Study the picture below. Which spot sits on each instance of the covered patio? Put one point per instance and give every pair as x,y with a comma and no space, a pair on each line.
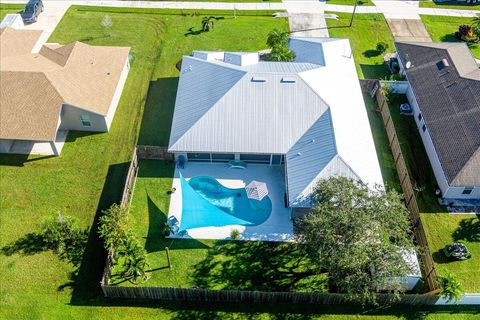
277,227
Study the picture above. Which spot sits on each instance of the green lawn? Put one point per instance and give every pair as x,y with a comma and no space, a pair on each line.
449,5
443,29
442,229
367,31
351,2
9,8
416,158
384,153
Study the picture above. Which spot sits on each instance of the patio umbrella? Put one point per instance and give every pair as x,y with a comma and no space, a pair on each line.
256,190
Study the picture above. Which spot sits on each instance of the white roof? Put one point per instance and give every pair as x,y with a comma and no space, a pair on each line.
311,110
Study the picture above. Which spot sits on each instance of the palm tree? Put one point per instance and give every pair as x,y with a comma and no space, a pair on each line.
476,22
207,23
277,37
134,260
281,53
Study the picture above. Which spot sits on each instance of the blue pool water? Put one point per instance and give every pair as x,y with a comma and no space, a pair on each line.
207,203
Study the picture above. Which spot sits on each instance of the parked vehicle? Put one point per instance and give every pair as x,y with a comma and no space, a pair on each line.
31,11
457,251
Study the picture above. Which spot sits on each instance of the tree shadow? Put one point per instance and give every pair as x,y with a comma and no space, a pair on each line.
191,32
256,265
468,230
29,244
158,113
86,282
371,53
156,227
449,38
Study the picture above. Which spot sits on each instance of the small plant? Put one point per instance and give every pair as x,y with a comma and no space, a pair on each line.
207,23
382,47
65,237
451,288
466,33
107,22
235,234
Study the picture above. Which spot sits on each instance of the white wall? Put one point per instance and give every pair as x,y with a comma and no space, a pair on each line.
118,93
456,193
466,299
70,120
428,143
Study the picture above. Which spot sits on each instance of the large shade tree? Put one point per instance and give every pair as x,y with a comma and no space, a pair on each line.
359,236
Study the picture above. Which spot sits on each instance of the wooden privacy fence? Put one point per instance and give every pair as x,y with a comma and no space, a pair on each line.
207,295
142,152
428,267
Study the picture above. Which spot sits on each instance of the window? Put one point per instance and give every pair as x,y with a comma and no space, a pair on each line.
222,157
255,158
424,128
420,117
467,190
86,122
198,157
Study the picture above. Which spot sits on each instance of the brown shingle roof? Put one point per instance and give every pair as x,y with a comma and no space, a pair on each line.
82,75
30,106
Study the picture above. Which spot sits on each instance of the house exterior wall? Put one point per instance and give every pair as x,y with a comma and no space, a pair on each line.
118,93
5,145
70,120
428,143
456,193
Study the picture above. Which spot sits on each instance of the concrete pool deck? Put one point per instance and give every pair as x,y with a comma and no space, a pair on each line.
278,226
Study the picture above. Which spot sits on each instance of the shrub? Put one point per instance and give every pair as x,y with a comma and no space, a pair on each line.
134,260
65,237
235,234
466,33
113,226
382,47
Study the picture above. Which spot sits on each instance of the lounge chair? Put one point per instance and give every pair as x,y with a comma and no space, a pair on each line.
181,162
237,164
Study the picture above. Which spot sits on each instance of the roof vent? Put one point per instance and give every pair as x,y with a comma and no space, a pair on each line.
408,65
288,80
258,79
443,64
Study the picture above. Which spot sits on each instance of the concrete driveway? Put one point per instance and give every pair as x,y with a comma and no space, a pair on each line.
47,21
408,30
306,18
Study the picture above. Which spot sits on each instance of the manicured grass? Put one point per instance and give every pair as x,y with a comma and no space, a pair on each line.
89,174
351,2
444,28
443,229
366,32
449,5
9,8
416,158
384,153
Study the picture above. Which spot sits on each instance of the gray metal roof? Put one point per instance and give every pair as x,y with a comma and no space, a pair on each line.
299,109
449,99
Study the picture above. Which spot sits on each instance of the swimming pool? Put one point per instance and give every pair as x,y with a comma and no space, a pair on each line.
208,203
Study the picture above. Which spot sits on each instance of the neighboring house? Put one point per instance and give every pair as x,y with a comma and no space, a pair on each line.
61,88
445,95
308,115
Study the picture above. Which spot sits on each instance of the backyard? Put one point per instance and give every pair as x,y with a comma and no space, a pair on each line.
444,28
367,31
